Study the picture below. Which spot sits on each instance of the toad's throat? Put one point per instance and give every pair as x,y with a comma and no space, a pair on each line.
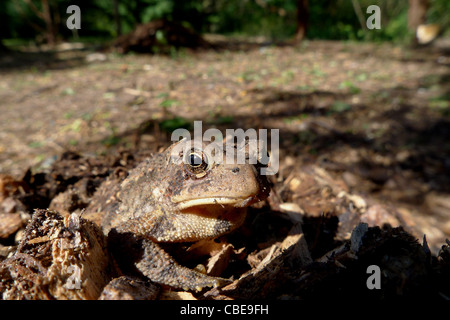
213,220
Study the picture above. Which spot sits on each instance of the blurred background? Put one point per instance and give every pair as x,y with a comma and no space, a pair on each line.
371,107
41,21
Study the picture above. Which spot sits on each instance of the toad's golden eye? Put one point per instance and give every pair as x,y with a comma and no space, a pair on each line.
196,163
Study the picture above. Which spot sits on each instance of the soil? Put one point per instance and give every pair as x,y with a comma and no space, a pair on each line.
364,132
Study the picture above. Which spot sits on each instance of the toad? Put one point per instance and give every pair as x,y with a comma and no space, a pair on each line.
179,195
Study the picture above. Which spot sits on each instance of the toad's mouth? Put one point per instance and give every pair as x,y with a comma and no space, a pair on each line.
217,202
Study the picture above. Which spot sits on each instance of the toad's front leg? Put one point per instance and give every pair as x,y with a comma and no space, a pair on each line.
145,257
159,266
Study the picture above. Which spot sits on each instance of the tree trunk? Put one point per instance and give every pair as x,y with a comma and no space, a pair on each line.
51,22
302,20
417,13
50,27
117,18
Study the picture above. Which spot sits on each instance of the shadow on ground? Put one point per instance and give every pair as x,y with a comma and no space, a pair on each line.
413,143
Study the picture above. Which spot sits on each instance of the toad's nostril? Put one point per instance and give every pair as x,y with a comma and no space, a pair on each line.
235,170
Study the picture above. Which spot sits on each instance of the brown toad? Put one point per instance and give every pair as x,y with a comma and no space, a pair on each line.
178,196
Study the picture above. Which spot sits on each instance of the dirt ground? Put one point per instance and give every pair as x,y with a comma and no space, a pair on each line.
376,114
375,117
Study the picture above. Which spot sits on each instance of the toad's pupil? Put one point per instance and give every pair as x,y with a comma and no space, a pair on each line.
195,160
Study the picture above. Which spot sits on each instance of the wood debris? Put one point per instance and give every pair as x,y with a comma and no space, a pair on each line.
312,238
59,258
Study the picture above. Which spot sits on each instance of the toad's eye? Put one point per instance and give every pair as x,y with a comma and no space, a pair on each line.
195,160
196,163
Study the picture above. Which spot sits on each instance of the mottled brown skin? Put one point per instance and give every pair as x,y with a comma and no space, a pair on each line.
165,200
